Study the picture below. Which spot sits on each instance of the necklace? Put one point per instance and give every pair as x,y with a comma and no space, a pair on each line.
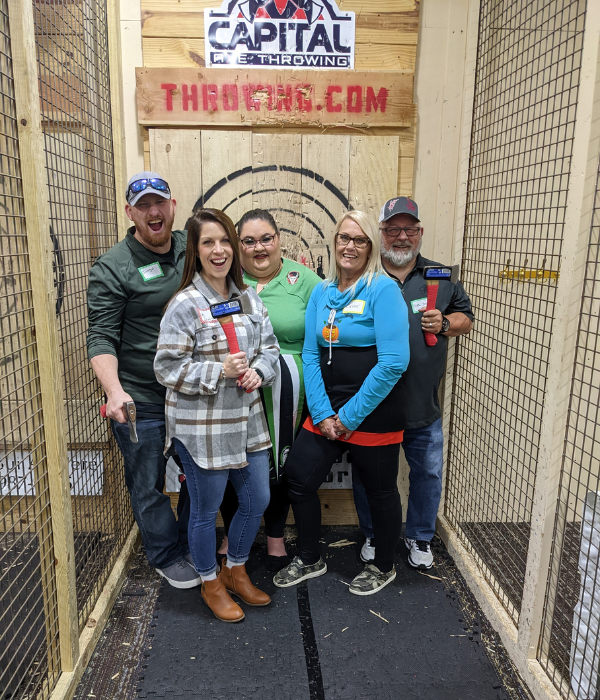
272,277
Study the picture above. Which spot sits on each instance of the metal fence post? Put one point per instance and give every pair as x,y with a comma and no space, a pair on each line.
35,194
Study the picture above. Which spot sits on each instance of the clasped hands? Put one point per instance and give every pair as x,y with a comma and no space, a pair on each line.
333,428
236,367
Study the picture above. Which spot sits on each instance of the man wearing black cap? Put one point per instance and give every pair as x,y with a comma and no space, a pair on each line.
423,444
129,286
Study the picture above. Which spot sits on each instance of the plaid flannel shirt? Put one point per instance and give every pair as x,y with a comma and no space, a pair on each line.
217,421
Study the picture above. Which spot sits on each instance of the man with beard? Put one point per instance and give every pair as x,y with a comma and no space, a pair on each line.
129,286
423,443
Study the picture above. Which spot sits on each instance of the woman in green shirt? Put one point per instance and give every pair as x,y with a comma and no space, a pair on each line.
285,287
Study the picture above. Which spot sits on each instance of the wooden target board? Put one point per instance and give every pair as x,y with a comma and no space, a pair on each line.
307,181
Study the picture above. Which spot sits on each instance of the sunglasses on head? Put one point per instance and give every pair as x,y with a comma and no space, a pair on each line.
153,182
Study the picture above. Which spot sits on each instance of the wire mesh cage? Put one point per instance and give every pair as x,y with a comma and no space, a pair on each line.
29,650
526,88
72,51
569,646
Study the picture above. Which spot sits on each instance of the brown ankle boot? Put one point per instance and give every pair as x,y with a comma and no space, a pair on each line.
219,601
236,581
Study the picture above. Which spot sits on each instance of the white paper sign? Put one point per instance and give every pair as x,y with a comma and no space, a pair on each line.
86,473
279,34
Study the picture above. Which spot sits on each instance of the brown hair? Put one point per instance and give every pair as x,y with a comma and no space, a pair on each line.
192,261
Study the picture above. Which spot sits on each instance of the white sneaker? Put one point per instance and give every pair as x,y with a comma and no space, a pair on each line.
419,554
367,551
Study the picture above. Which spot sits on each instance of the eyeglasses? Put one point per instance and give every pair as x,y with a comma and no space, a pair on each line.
140,185
395,231
359,241
265,241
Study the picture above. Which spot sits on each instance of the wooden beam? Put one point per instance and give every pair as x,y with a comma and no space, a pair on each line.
67,683
116,97
35,196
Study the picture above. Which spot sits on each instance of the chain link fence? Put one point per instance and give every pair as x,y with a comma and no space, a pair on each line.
569,647
72,51
525,103
72,54
29,649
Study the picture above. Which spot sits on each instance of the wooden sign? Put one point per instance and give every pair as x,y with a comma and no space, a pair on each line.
249,97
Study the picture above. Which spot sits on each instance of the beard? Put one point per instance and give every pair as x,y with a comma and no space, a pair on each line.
154,239
400,257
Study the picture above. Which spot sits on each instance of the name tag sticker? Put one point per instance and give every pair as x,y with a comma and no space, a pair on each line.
151,272
419,305
354,307
205,316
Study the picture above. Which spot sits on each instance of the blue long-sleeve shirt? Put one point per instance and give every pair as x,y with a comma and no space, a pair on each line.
370,315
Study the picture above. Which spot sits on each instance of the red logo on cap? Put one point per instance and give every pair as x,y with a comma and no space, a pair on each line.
410,205
392,204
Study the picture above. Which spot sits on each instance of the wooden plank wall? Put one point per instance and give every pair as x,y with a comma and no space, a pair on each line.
386,39
365,167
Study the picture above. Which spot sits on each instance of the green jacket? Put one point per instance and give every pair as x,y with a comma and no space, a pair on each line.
125,308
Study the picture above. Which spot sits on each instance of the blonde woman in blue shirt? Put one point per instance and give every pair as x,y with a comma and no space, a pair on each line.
355,351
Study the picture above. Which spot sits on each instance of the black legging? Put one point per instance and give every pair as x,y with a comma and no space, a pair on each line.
306,468
275,515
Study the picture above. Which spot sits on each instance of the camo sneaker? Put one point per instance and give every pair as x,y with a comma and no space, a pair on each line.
297,571
371,580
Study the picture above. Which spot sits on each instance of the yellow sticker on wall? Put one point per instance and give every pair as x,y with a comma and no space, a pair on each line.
354,307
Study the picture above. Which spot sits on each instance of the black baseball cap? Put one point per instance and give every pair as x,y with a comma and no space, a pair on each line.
399,205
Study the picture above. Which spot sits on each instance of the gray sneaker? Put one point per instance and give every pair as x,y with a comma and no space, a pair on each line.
180,575
371,580
296,571
419,554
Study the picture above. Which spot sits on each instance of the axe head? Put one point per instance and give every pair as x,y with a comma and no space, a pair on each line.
434,272
235,305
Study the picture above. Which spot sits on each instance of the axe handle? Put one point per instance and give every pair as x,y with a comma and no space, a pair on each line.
229,329
432,290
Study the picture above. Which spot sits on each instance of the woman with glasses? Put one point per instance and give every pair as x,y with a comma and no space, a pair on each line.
284,287
214,413
355,351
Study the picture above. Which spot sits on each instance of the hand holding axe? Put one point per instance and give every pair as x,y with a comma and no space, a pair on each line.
224,312
433,275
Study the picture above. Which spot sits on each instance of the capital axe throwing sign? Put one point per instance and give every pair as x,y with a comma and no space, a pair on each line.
279,33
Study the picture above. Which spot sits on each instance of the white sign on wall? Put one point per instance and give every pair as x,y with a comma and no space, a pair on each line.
279,34
86,473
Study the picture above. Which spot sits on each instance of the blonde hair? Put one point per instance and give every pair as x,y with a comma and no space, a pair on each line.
374,266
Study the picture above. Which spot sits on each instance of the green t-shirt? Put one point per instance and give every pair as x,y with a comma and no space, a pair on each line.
286,297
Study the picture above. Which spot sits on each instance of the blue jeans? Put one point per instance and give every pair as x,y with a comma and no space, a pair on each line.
164,536
206,488
424,452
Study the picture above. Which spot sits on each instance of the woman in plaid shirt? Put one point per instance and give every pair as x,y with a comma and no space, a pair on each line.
214,414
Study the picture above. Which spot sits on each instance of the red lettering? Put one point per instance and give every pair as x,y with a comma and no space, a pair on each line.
169,87
355,98
377,102
302,96
187,98
252,102
284,98
209,98
329,99
230,98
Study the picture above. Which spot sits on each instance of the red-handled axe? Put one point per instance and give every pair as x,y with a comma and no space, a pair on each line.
433,275
224,312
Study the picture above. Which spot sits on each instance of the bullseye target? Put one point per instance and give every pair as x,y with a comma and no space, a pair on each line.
305,220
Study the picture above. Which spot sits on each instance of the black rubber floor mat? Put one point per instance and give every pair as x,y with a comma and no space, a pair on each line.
194,654
405,641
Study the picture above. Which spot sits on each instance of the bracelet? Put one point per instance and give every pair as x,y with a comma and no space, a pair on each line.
222,375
